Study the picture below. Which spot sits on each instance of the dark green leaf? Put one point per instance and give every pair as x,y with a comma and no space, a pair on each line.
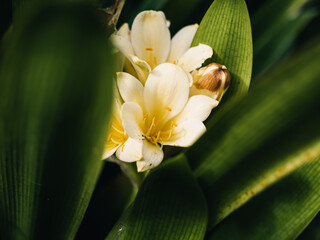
284,100
108,201
275,33
169,205
281,212
280,156
226,28
312,232
55,90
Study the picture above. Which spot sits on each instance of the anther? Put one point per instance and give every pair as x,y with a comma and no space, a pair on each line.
148,48
167,108
155,60
146,115
158,135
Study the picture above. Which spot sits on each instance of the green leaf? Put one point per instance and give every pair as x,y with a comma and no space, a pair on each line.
312,231
275,33
282,101
108,201
226,28
55,90
281,212
169,205
282,155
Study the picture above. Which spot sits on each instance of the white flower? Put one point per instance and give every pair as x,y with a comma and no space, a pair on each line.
149,44
126,148
161,113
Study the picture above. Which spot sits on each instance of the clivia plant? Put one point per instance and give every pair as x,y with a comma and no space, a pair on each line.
160,120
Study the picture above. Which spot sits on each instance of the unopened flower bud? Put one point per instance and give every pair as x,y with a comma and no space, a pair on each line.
212,80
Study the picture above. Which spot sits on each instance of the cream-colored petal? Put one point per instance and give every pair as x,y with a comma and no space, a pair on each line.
166,91
123,44
152,157
116,107
130,151
186,133
195,57
181,42
130,88
109,150
141,67
124,31
150,37
198,107
132,119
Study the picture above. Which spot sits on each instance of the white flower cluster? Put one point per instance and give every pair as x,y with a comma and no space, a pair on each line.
162,97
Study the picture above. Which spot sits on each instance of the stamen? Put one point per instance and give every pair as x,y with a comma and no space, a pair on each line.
174,61
151,126
119,131
153,121
155,60
114,141
158,135
146,115
173,124
167,108
148,48
149,63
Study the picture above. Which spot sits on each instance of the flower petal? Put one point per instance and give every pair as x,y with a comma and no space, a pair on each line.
109,149
130,151
198,107
123,44
166,91
150,37
130,88
141,67
152,157
181,42
132,119
186,133
194,57
124,31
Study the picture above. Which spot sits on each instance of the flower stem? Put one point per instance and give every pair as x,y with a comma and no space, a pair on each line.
129,169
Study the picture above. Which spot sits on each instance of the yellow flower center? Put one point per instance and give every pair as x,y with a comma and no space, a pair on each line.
156,130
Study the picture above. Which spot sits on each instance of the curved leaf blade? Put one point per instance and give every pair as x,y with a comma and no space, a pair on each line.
270,108
281,212
275,33
226,28
169,205
55,90
275,160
